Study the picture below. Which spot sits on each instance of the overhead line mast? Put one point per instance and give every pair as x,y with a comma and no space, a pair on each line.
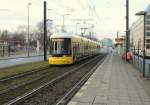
45,32
127,28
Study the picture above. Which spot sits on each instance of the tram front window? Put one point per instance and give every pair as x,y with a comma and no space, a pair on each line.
61,46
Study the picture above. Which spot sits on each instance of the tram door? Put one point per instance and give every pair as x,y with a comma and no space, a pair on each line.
57,46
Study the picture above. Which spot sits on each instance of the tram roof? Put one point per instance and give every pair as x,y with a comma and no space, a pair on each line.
62,35
69,35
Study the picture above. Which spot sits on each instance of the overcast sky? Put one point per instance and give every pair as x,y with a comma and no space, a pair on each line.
109,15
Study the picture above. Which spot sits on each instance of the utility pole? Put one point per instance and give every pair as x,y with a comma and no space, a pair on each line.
85,28
127,28
77,28
91,30
28,44
45,32
117,34
63,26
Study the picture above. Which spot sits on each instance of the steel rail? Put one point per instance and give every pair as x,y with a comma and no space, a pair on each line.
29,82
27,95
23,74
64,100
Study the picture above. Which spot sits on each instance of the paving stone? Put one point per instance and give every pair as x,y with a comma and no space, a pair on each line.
84,99
80,103
125,103
100,104
113,100
113,83
136,102
113,103
72,103
146,103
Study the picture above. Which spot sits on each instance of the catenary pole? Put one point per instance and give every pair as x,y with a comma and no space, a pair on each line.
45,32
127,27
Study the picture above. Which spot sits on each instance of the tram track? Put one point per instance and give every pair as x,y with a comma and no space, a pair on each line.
18,87
24,80
5,79
72,91
46,87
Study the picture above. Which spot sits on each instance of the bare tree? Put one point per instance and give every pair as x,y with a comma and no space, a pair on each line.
4,36
18,38
40,32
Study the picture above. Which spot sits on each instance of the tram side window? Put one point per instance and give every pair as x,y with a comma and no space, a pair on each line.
148,16
76,48
148,46
147,40
67,46
55,46
51,44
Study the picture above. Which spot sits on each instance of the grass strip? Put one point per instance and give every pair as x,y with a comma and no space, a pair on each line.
14,70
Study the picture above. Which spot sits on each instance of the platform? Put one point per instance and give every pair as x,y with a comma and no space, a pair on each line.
115,82
21,60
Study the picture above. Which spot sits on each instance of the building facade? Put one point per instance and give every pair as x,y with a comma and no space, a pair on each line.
107,42
120,45
137,36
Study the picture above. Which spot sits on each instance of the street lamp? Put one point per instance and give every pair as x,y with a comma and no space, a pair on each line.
63,26
82,31
28,30
92,30
50,20
77,27
144,14
49,25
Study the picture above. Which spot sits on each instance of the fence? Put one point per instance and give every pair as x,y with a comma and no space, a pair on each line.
138,63
17,49
4,49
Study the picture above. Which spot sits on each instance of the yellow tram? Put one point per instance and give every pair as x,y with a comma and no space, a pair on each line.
66,48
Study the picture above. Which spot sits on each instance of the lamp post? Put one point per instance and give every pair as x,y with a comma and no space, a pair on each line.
49,25
49,33
144,14
45,30
92,30
82,31
127,28
63,26
28,30
50,20
77,27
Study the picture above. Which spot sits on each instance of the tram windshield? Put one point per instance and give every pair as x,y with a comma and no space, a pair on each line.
61,46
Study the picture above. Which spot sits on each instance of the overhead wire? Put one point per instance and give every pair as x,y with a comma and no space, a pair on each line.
40,4
37,3
59,5
93,10
72,11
